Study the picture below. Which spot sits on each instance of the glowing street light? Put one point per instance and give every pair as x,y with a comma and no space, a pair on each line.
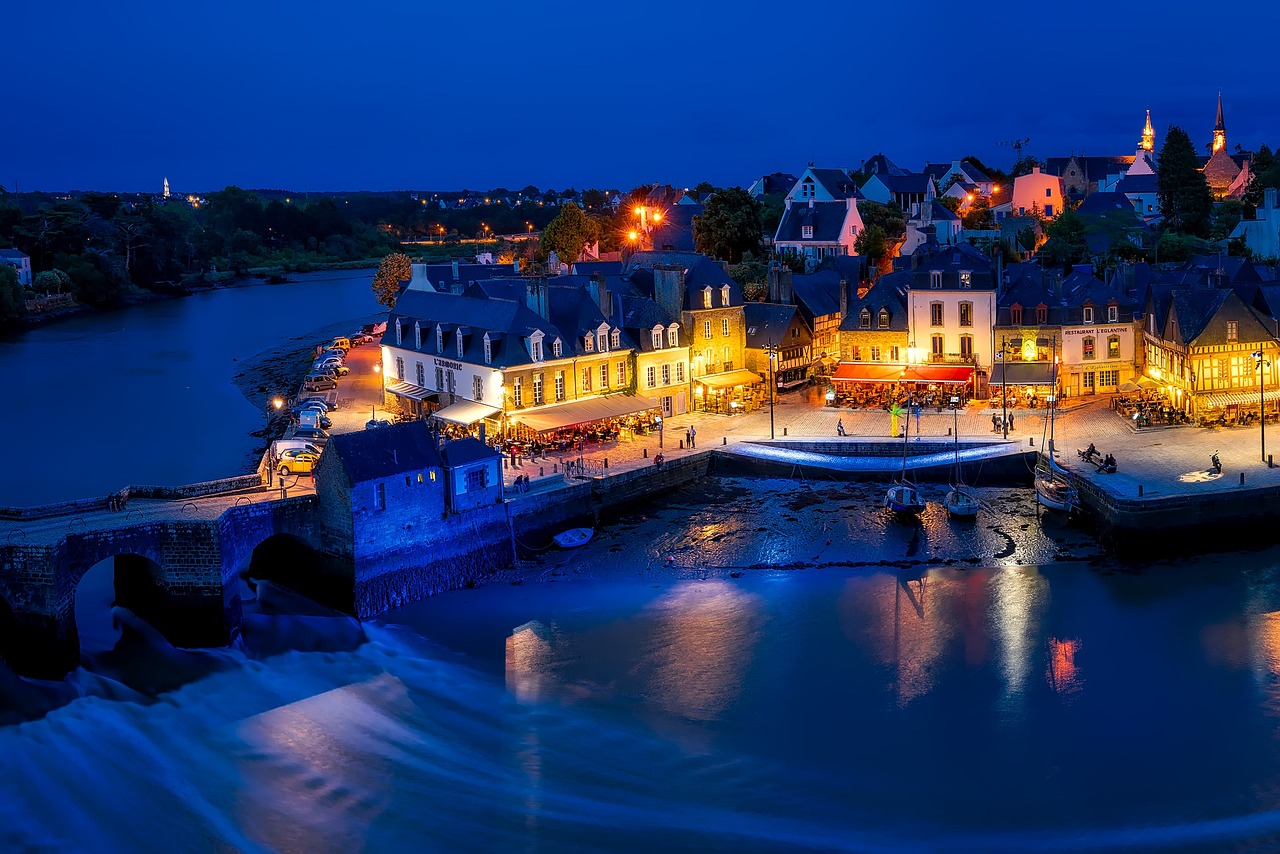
1261,363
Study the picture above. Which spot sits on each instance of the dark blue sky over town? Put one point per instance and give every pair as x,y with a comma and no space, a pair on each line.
424,95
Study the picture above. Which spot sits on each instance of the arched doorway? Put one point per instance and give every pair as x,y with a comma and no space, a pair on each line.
294,563
130,581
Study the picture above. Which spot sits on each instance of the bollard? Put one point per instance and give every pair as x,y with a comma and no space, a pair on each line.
555,468
682,444
506,462
541,471
784,431
646,453
1139,490
724,440
606,462
1242,478
1270,462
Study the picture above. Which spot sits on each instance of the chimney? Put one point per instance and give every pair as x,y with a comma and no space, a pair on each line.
811,203
600,290
779,283
482,433
668,289
1035,170
455,271
844,298
535,297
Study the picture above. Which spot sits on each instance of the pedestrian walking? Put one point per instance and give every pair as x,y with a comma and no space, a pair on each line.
995,423
840,427
693,436
1010,420
688,438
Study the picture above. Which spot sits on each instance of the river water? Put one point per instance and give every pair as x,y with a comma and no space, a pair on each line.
145,394
670,687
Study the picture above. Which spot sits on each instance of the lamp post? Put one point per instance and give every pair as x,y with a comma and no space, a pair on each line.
1004,385
659,420
272,405
1261,363
772,350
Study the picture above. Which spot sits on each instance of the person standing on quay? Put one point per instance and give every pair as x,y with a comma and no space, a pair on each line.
693,436
995,423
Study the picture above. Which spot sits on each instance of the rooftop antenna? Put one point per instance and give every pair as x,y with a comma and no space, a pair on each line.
1016,145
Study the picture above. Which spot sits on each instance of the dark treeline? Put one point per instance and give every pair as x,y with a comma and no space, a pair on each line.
103,246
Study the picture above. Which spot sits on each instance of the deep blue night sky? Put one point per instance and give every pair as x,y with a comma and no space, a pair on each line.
400,94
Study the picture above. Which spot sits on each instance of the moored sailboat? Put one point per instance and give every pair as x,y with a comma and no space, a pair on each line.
903,496
1053,488
959,502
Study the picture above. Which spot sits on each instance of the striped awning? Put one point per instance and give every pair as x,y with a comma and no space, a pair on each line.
465,412
409,390
576,412
1236,398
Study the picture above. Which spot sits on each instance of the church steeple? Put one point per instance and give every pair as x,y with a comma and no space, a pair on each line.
1148,136
1219,129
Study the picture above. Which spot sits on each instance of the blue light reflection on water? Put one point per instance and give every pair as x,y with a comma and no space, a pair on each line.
1008,709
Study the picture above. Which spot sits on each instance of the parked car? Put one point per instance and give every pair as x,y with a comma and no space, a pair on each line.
341,343
279,446
306,399
360,339
319,382
323,420
375,423
296,461
312,435
336,369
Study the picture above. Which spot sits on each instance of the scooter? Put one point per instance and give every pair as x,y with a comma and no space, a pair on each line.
1215,463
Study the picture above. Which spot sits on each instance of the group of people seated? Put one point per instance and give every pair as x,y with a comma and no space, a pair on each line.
1092,455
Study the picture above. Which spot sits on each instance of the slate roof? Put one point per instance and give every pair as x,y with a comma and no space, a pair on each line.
906,183
1080,289
1098,203
12,254
818,293
879,164
460,452
889,292
970,173
939,211
1138,184
471,315
591,268
766,322
837,182
441,275
827,219
675,231
368,455
951,261
1095,169
778,182
699,272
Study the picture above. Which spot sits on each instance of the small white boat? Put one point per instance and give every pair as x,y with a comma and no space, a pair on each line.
960,504
904,498
573,537
1055,494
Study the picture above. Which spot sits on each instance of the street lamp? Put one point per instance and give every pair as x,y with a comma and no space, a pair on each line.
772,350
1260,365
1004,385
276,403
659,420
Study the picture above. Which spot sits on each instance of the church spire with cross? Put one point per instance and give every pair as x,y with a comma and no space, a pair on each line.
1148,136
1219,129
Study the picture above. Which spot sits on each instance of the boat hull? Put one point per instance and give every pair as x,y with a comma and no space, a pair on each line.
573,537
904,500
961,505
1055,496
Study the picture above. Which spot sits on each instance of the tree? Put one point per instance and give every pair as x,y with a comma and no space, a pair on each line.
872,242
1266,174
1066,244
1185,200
704,187
52,282
1024,164
593,198
951,203
729,225
979,216
1224,219
392,270
568,234
13,303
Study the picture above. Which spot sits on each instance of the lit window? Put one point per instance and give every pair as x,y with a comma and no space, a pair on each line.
588,344
864,318
1087,348
666,375
602,340
706,329
884,319
966,279
1233,330
673,336
559,385
537,390
875,353
706,297
724,295
586,380
657,337
679,372
935,314
615,338
604,375
806,232
724,327
517,391
1113,347
622,373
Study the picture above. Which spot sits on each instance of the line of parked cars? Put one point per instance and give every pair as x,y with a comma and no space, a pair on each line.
299,453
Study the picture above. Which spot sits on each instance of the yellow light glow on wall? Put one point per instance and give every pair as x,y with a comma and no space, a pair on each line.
1028,349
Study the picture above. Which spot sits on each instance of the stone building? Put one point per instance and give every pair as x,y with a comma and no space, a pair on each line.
473,474
779,329
823,299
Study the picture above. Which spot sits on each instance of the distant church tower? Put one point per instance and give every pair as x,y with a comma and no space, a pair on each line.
166,188
1219,129
1148,143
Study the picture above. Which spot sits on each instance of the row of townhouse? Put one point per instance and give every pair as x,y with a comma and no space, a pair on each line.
664,335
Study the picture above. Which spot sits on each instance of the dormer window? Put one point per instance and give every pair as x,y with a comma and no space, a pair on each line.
488,350
535,350
864,319
1088,314
462,342
399,333
806,232
588,343
724,295
807,190
657,337
1113,313
1042,313
706,297
1015,315
935,279
615,339
673,335
439,339
602,341
556,348
884,319
966,279
417,336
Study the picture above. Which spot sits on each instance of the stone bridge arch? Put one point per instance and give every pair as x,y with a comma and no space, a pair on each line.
130,581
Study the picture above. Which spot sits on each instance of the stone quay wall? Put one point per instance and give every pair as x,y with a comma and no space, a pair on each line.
239,483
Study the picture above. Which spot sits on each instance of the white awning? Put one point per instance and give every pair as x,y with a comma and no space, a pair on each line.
729,379
583,412
410,390
465,412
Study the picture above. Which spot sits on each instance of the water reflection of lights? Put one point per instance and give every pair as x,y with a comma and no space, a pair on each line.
1063,675
1266,633
528,655
1019,596
703,643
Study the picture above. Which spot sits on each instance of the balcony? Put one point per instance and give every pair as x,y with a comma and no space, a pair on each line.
952,359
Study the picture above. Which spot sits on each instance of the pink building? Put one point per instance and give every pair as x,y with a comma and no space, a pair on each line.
1038,191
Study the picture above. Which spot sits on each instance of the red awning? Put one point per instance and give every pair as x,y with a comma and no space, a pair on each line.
863,372
952,374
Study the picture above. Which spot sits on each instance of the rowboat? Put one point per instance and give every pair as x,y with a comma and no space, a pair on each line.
573,537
